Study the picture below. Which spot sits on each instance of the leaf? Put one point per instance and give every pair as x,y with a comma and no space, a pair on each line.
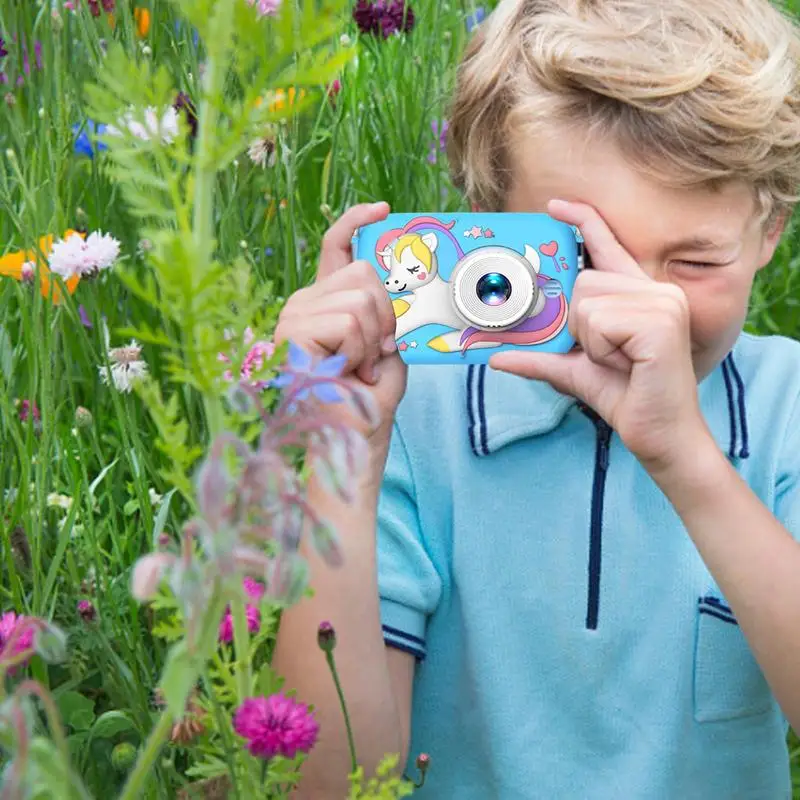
6,353
161,518
111,724
180,674
76,710
103,472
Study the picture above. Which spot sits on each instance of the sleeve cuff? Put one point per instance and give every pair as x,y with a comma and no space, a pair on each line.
403,628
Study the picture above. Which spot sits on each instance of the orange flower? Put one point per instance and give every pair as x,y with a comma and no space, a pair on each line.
142,18
278,99
13,265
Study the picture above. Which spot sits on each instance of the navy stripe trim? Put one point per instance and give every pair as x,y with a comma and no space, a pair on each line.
406,648
719,615
402,634
713,601
745,450
482,407
470,412
731,407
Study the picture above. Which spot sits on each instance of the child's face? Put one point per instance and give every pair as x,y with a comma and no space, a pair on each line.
656,225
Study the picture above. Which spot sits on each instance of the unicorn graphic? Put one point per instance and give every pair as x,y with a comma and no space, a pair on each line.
410,258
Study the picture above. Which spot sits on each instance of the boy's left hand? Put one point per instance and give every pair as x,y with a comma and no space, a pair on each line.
635,366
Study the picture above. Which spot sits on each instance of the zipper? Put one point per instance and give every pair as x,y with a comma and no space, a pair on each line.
601,460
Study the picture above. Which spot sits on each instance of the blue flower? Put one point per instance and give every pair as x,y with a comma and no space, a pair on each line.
473,20
300,365
83,143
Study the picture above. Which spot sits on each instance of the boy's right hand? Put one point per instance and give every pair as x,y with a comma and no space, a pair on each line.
347,311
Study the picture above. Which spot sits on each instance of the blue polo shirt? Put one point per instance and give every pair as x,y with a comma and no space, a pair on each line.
570,640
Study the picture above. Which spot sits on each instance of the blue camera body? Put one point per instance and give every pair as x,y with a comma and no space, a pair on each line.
465,286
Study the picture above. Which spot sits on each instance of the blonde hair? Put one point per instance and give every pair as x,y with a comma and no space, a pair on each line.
418,248
694,92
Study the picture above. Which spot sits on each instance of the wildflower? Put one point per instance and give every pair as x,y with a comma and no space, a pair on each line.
86,610
190,725
56,500
333,90
398,18
326,637
166,126
108,5
473,20
83,418
83,145
254,360
183,103
10,99
155,497
441,136
28,410
225,634
254,589
126,367
280,98
266,7
141,16
85,321
301,367
423,762
276,725
3,51
16,638
263,152
382,17
84,258
17,266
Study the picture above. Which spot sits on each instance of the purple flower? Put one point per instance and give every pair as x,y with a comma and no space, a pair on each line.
16,636
85,321
253,615
276,725
83,143
441,136
86,610
3,51
379,17
183,103
301,367
401,17
37,51
473,20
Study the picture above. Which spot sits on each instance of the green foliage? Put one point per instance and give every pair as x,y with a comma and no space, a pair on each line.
386,785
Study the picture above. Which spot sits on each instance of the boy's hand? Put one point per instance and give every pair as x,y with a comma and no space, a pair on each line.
635,363
347,311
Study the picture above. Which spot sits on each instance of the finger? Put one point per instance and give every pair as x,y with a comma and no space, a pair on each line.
607,254
560,370
326,335
336,252
592,323
593,283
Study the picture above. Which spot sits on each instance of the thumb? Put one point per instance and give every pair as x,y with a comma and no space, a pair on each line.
560,370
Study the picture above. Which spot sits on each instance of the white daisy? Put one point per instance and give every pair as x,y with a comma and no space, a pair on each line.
126,367
85,258
166,127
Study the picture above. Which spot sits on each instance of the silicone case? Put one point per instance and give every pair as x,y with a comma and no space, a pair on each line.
467,285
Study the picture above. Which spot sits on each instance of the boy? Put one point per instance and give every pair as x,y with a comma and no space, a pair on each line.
586,576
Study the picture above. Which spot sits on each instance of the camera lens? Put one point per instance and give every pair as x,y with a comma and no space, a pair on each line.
493,289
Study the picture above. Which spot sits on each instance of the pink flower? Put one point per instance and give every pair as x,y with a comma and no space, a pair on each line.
276,725
28,409
255,590
225,634
86,610
254,360
16,636
267,7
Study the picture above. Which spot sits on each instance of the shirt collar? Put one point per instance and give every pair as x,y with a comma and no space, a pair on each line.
504,408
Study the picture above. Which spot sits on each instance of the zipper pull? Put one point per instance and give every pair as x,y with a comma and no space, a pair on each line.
604,438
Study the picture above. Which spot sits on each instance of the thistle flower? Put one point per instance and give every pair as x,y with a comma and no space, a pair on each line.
84,258
165,126
86,610
126,367
16,638
276,725
28,410
326,637
379,17
263,152
266,8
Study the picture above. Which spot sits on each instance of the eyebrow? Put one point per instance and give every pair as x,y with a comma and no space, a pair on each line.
699,243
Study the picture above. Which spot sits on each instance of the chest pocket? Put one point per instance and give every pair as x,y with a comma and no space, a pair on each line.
728,683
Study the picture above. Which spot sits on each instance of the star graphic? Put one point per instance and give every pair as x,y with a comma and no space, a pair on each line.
488,233
412,344
402,347
473,232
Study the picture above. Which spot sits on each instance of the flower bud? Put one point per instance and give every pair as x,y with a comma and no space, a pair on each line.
86,610
123,756
83,418
326,637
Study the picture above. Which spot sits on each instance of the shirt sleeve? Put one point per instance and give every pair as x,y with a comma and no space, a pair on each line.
408,582
787,490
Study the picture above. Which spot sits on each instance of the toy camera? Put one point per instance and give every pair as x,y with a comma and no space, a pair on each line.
465,286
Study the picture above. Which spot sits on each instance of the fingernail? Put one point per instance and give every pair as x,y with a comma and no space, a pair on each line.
389,344
373,373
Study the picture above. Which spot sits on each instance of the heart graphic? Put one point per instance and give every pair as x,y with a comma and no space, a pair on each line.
549,249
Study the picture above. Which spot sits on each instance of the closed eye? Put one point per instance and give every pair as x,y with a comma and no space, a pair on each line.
699,264
413,270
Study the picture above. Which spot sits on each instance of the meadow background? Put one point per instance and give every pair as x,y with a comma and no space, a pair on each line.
84,468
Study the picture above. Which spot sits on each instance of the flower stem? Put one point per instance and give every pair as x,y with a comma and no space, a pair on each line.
134,785
350,742
241,641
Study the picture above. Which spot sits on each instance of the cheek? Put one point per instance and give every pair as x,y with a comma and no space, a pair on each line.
422,275
718,309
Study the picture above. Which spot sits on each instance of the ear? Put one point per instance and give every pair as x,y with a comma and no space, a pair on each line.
771,237
532,256
430,241
385,257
